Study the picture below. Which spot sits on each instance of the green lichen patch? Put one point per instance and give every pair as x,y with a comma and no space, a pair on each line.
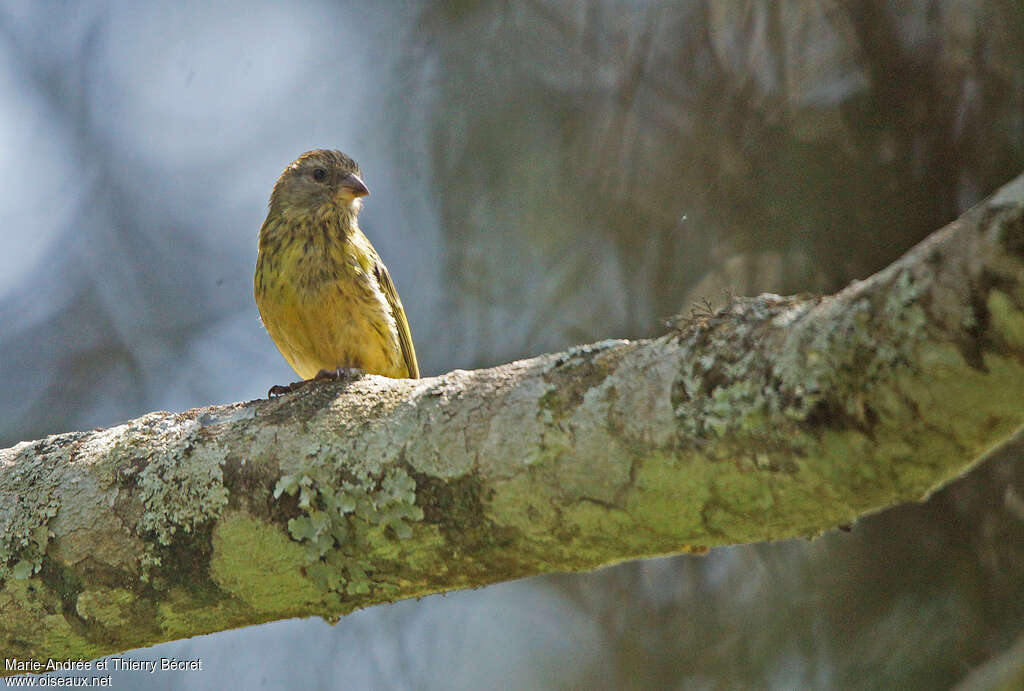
926,416
183,612
41,625
256,562
598,530
961,408
689,498
525,503
339,527
1006,319
759,371
668,493
24,522
108,607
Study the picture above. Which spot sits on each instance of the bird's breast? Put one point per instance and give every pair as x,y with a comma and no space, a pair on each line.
324,310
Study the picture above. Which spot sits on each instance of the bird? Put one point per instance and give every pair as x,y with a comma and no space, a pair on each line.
323,293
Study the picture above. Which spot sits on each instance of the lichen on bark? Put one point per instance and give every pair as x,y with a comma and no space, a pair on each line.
774,417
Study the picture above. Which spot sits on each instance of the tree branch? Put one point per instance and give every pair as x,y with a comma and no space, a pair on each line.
774,417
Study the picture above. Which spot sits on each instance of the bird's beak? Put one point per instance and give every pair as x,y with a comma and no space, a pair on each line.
353,184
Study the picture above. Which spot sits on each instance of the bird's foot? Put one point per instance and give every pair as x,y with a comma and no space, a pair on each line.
340,374
278,390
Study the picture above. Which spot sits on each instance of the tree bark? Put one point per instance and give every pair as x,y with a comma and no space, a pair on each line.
771,418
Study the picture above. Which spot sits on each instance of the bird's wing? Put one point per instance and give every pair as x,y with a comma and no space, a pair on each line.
404,335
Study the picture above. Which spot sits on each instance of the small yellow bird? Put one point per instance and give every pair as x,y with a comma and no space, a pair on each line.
322,291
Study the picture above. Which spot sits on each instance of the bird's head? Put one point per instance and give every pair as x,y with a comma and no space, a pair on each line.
319,178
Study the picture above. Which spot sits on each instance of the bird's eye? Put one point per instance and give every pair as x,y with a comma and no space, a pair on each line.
319,174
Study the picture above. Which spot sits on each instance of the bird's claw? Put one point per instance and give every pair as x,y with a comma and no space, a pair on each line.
340,374
278,390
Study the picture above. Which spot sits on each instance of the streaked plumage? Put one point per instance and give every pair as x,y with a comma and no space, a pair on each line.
323,293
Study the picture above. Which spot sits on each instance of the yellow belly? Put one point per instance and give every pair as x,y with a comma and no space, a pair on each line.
338,323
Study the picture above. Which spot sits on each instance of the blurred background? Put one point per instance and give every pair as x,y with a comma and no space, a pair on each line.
543,173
